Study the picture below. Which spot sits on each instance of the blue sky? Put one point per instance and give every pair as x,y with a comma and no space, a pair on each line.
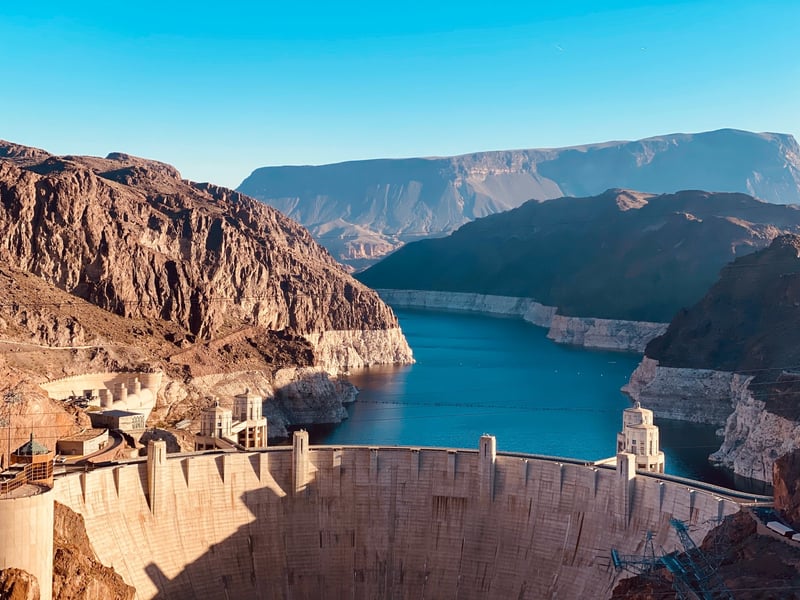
218,90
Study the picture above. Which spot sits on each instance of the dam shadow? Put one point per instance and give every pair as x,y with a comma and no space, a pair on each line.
230,568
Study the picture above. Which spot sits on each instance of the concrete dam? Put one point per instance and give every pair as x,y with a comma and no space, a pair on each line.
371,522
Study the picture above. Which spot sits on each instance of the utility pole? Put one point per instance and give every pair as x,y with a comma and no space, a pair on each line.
6,423
9,398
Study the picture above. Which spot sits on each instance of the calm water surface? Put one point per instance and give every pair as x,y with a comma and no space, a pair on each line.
477,374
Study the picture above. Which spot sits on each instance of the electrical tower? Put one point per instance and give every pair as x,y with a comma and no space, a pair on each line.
694,577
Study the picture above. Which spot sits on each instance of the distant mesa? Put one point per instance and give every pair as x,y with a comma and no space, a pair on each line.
363,210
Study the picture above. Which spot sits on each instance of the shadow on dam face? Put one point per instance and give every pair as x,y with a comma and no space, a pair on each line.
405,523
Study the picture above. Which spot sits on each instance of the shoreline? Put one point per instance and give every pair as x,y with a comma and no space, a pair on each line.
586,332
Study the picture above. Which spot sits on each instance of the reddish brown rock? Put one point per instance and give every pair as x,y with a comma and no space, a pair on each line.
786,485
16,584
131,236
77,574
644,588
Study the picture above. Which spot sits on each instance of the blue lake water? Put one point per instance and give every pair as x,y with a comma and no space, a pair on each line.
477,374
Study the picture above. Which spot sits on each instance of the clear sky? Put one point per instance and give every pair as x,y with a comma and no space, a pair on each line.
220,89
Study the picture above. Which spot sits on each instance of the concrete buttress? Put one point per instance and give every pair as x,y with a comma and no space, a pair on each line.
156,480
486,463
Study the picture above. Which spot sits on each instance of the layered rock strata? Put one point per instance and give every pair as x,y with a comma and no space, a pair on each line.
588,332
132,237
117,264
696,395
755,437
609,334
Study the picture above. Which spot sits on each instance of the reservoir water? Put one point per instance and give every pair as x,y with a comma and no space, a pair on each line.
478,374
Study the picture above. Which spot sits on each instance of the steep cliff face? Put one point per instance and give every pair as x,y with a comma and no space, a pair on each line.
33,350
755,437
621,255
746,321
786,485
696,395
364,209
730,360
130,236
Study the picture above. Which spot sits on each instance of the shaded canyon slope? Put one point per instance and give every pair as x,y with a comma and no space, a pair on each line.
732,360
748,322
132,237
362,210
620,255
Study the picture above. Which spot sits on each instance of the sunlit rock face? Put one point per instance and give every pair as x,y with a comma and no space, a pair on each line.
786,483
363,210
129,235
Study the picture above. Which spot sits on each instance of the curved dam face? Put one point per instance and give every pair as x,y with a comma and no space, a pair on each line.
359,522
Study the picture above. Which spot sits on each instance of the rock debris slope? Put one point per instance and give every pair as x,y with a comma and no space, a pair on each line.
363,210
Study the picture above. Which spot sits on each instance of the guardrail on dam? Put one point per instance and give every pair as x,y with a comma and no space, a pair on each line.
376,522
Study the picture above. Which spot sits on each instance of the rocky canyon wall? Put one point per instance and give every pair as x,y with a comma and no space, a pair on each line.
608,334
753,437
696,395
132,237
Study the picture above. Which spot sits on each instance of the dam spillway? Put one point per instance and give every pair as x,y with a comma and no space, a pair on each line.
376,522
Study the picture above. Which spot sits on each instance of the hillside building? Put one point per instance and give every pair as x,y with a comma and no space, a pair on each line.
245,426
83,443
124,420
39,460
250,426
